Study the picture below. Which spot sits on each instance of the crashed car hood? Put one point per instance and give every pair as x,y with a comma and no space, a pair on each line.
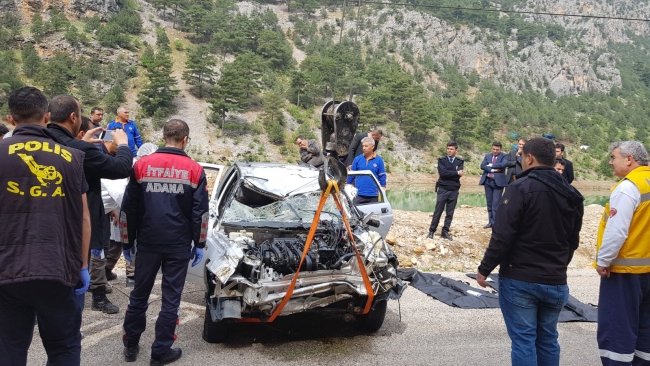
281,180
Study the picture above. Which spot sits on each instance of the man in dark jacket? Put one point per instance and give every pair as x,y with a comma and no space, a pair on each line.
514,161
165,208
310,151
450,169
44,235
535,234
494,180
568,165
356,147
97,165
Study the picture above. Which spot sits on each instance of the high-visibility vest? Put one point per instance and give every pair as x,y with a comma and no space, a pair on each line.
634,256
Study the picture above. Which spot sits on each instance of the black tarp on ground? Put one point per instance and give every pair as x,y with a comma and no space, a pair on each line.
459,294
451,292
574,310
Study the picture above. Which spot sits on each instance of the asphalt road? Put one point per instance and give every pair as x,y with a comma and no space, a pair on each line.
429,333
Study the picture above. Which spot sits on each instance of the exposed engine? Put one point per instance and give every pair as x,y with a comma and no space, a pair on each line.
283,255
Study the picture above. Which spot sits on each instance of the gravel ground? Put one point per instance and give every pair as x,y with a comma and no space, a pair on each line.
429,333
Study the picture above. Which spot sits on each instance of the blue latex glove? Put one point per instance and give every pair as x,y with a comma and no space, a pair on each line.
84,278
97,252
128,253
197,255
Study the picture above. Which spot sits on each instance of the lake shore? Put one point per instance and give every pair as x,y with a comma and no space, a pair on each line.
469,183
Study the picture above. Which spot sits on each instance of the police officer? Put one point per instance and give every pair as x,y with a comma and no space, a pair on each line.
44,235
97,165
623,261
165,208
450,169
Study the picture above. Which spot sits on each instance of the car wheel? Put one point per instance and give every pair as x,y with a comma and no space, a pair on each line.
372,321
214,332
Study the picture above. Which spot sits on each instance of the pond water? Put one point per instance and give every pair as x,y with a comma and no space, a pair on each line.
416,199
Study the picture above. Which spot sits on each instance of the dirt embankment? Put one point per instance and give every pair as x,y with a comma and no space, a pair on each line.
470,240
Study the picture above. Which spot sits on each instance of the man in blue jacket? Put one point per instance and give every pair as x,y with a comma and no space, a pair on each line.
494,179
165,208
369,160
123,122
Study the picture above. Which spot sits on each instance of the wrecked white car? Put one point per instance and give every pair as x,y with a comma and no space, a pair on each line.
260,217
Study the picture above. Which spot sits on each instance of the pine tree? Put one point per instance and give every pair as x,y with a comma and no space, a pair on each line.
38,28
463,121
162,41
199,68
417,119
31,62
160,92
58,20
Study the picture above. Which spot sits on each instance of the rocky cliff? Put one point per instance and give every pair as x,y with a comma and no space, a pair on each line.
74,8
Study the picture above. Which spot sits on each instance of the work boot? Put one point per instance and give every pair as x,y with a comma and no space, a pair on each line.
131,353
101,302
446,236
430,236
110,276
171,356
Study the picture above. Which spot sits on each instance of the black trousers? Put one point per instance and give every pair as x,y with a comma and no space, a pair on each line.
58,316
444,199
361,200
174,271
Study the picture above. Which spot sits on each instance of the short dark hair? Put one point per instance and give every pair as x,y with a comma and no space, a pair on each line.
559,146
378,131
559,161
3,130
61,106
300,138
525,140
95,109
497,144
453,144
175,130
27,105
542,149
86,124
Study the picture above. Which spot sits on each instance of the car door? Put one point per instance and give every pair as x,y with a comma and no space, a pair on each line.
213,173
381,208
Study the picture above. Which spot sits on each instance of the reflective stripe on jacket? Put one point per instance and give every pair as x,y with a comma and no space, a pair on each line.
634,256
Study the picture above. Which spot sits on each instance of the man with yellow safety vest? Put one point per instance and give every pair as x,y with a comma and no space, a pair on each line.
623,260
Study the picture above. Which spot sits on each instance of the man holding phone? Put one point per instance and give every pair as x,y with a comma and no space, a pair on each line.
97,165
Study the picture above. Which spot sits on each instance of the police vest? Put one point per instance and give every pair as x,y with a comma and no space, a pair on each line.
634,256
41,187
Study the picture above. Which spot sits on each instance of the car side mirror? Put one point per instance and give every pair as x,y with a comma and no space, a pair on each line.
370,220
374,223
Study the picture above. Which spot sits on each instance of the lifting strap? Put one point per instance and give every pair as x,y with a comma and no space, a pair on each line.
310,237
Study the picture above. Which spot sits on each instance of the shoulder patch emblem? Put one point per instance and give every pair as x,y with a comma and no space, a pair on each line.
612,212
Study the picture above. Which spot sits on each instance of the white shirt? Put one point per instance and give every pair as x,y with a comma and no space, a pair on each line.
112,194
623,201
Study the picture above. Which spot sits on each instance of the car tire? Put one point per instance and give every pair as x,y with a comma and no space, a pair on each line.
372,321
214,332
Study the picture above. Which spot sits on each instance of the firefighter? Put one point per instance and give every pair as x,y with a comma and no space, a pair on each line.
165,208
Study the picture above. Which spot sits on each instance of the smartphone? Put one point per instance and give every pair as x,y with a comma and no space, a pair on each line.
106,135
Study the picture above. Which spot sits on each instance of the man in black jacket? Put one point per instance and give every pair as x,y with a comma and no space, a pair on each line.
568,165
535,234
450,169
514,161
97,165
356,147
44,235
